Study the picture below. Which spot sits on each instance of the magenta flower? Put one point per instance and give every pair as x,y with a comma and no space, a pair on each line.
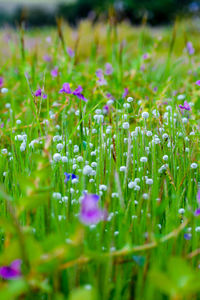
1,82
125,93
101,80
186,106
54,72
108,69
197,212
70,52
90,212
47,58
13,271
66,88
106,109
198,82
145,56
38,93
190,48
99,73
77,92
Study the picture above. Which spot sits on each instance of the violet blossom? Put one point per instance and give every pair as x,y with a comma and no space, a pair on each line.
108,69
39,93
54,72
70,52
190,48
1,82
186,106
90,212
77,92
125,93
47,58
13,271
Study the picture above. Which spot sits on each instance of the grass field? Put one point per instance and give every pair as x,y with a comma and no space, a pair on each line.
99,162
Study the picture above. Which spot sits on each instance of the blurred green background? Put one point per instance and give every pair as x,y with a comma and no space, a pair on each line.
44,13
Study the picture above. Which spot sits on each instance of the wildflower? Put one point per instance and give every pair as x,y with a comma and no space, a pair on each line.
125,125
190,48
1,82
47,58
54,72
13,271
145,56
193,166
90,213
38,93
186,106
187,236
57,157
69,176
70,52
4,90
165,157
129,99
66,88
198,82
108,69
106,109
77,92
87,170
126,91
145,115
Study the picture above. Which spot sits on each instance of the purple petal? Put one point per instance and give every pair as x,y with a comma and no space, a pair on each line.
70,52
11,272
197,212
66,88
125,93
38,93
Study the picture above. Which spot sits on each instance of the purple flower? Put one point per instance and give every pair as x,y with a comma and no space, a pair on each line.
108,69
77,92
145,56
90,212
106,109
99,73
185,106
70,52
109,96
69,176
190,48
197,212
1,82
198,82
54,72
187,236
47,58
13,271
102,81
66,88
125,93
38,93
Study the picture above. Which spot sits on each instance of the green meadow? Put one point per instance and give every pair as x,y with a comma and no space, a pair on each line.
99,162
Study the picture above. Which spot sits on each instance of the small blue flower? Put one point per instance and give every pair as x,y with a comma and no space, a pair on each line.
69,176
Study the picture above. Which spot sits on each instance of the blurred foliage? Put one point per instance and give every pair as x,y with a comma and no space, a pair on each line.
156,12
